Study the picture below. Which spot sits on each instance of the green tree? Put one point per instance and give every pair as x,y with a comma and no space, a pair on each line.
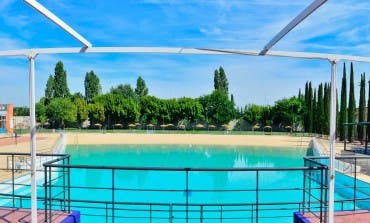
306,108
253,114
326,108
60,81
150,109
49,90
141,89
220,81
343,105
368,116
190,109
286,111
21,111
351,106
61,111
223,81
96,113
82,111
361,108
218,108
320,110
41,111
92,86
315,113
123,89
118,109
216,80
311,105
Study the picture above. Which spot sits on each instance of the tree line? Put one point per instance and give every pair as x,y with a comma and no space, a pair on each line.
123,105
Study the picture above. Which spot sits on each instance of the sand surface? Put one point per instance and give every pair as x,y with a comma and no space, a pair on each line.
193,139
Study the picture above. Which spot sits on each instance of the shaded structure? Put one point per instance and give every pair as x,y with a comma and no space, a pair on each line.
363,147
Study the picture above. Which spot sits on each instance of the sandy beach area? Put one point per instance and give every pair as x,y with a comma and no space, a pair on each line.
187,139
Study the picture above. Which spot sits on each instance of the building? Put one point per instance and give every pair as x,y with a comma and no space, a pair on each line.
6,118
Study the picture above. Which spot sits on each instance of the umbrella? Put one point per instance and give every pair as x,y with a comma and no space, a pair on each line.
98,124
137,124
150,125
182,126
199,126
256,126
131,125
118,125
267,127
226,126
211,126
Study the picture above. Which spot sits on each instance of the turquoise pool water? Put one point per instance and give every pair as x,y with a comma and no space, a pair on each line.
243,183
142,186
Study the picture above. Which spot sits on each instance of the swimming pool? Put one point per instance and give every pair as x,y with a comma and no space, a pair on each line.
210,195
223,187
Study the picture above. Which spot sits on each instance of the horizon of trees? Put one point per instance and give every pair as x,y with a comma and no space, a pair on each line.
123,104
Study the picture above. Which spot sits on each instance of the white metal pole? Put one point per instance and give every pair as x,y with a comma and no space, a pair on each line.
33,139
333,103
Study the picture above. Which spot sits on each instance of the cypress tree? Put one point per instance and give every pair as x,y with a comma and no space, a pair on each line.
343,105
351,105
60,81
141,89
314,112
361,109
310,108
306,112
92,86
326,128
368,117
224,83
216,80
337,114
49,91
320,110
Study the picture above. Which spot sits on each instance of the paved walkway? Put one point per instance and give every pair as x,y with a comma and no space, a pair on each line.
361,216
15,215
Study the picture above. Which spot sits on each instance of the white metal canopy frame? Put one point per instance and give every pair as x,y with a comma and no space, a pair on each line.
87,48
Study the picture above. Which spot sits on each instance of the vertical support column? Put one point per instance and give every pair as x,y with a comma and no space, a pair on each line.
332,139
32,99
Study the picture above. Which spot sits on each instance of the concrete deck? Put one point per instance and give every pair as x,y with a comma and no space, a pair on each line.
15,215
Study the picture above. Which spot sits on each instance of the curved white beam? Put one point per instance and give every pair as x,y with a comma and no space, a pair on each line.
41,9
298,19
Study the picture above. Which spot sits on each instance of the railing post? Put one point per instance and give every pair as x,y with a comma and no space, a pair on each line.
113,195
170,214
64,186
69,184
326,194
321,193
150,213
304,188
309,188
187,194
257,188
106,212
355,186
201,213
45,194
50,195
221,213
13,192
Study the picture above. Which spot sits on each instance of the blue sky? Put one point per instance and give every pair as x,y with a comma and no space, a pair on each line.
340,26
